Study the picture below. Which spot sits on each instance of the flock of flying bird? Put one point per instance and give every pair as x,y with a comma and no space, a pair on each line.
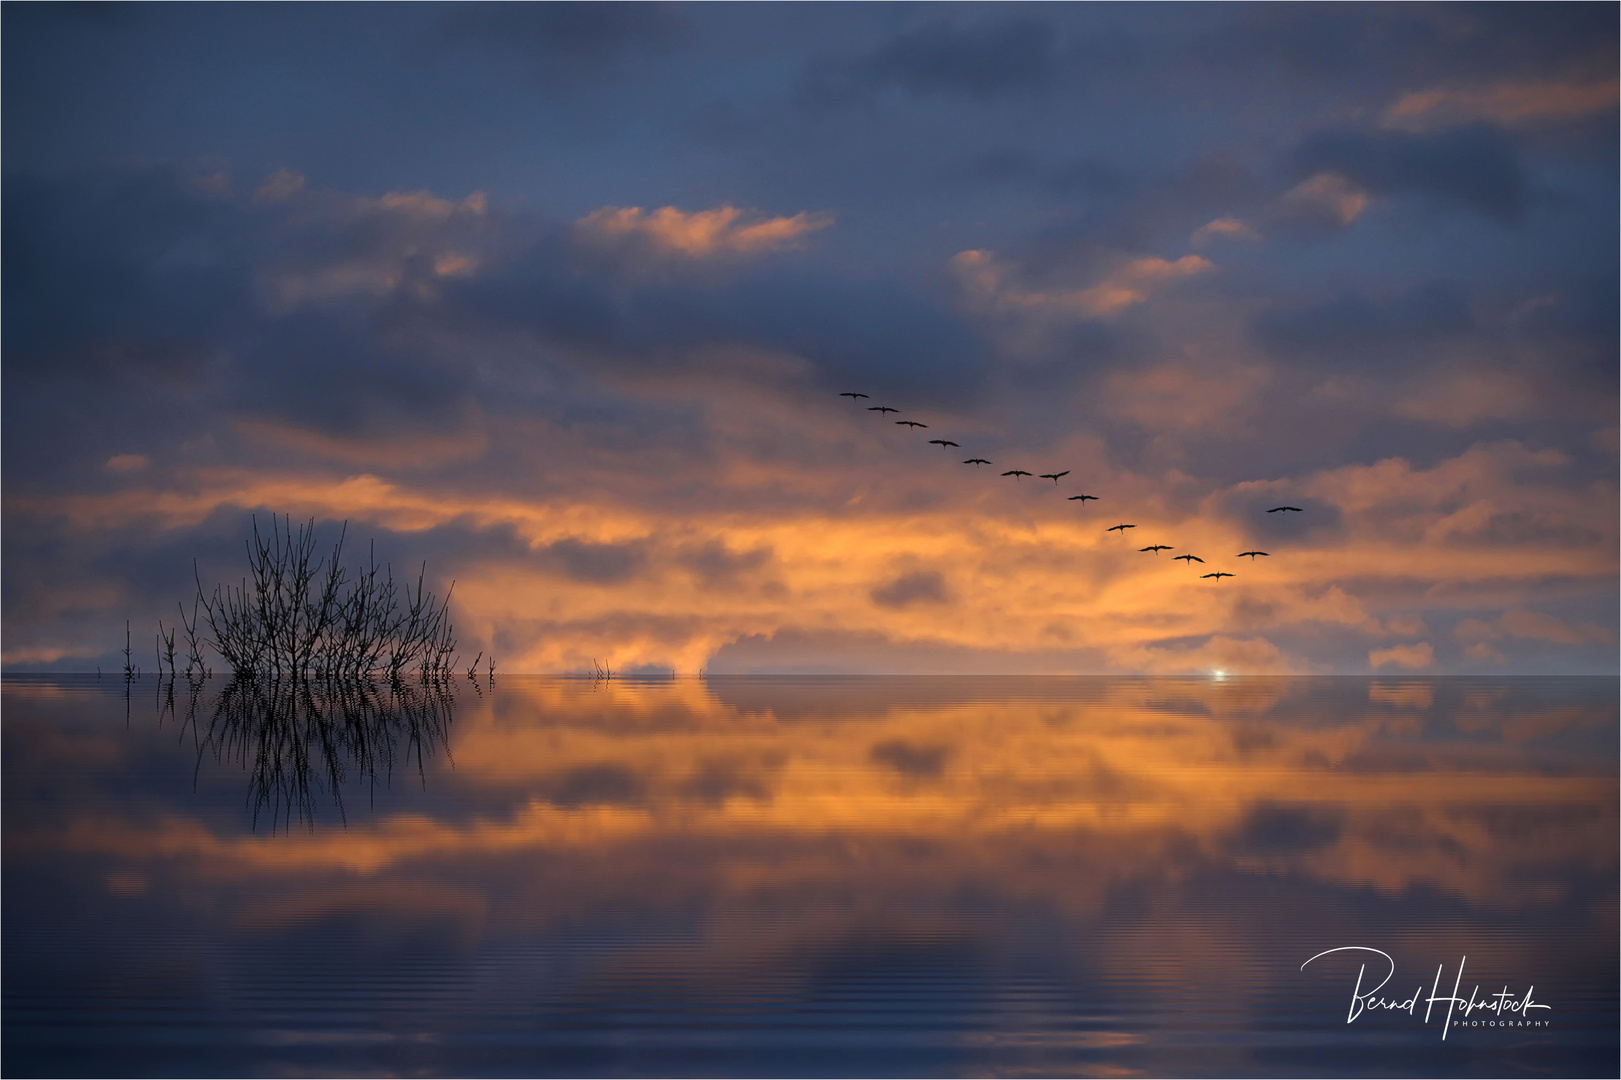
1020,474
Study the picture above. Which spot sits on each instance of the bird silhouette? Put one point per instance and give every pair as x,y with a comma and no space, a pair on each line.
1296,509
881,409
942,442
1053,476
1083,498
1218,575
1189,558
1015,473
851,396
1119,528
1156,548
976,462
911,423
1252,554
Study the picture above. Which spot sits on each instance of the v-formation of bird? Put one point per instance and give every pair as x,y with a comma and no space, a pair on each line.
1020,474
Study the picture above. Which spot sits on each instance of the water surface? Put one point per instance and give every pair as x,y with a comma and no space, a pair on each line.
754,876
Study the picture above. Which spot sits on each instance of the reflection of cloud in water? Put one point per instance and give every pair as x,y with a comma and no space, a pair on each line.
1392,792
1111,833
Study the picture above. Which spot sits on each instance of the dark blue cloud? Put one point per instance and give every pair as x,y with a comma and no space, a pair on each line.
1357,325
1013,56
112,259
560,44
878,334
1477,166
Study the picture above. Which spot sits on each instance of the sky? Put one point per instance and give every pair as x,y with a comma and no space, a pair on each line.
558,301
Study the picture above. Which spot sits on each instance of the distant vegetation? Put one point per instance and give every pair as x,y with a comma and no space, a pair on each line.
301,616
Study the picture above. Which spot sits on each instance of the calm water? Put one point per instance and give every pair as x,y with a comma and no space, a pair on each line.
971,876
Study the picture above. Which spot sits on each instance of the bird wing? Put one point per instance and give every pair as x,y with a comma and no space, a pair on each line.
1057,475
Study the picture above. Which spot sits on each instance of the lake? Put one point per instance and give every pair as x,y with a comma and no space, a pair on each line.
813,877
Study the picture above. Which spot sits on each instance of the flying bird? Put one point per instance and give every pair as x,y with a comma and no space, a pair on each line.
1188,558
1083,498
1156,548
976,462
881,409
1118,528
1218,575
1053,476
943,442
1015,473
911,423
1296,509
1252,554
850,395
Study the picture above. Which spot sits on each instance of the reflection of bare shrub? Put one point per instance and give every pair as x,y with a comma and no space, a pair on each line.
297,736
301,616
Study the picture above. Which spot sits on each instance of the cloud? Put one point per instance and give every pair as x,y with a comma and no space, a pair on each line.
1534,625
566,44
280,186
1463,397
994,281
1516,104
1417,656
128,463
921,586
1326,199
1185,396
1353,324
979,61
1476,166
725,229
1224,228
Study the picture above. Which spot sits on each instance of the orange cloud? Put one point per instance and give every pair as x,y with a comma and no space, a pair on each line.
995,281
1226,228
1520,104
782,533
128,463
1327,196
1417,656
725,229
